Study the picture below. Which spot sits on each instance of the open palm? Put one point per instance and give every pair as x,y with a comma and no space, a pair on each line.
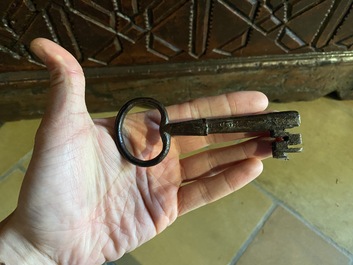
82,203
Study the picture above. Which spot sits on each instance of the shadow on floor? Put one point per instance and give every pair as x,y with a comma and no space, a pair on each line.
127,259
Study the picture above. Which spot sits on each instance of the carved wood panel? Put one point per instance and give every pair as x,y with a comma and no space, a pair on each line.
131,32
176,50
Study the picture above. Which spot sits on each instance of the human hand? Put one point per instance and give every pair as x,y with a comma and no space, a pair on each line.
82,203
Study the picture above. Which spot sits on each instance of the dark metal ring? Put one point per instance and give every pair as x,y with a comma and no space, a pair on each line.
119,131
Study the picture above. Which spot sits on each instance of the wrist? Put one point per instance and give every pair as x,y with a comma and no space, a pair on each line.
15,249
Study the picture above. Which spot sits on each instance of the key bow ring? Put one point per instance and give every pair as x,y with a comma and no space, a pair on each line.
164,135
275,122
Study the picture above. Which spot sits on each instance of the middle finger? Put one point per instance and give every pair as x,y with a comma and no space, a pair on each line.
211,162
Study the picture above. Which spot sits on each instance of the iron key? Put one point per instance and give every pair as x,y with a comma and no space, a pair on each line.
276,123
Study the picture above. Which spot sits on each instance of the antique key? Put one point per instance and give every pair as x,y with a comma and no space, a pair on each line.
276,123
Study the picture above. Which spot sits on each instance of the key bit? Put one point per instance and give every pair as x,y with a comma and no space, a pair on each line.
280,147
283,139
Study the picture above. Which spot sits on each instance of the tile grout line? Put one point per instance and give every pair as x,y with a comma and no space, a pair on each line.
8,172
22,159
16,166
254,233
305,222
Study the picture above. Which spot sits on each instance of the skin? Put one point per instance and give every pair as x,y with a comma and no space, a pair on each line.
82,203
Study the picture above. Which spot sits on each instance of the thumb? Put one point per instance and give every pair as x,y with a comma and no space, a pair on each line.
67,81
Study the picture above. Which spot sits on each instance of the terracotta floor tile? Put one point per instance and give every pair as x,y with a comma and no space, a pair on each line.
285,240
210,235
348,103
17,139
318,183
9,191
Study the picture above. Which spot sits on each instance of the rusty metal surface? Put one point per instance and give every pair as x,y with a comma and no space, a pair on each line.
276,123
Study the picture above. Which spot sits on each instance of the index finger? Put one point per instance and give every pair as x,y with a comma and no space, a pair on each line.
231,104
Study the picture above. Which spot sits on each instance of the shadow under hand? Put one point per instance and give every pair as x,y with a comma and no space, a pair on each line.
127,259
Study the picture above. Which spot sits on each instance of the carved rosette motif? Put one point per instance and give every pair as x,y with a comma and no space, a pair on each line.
132,32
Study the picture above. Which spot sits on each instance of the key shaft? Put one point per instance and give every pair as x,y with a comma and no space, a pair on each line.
251,123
